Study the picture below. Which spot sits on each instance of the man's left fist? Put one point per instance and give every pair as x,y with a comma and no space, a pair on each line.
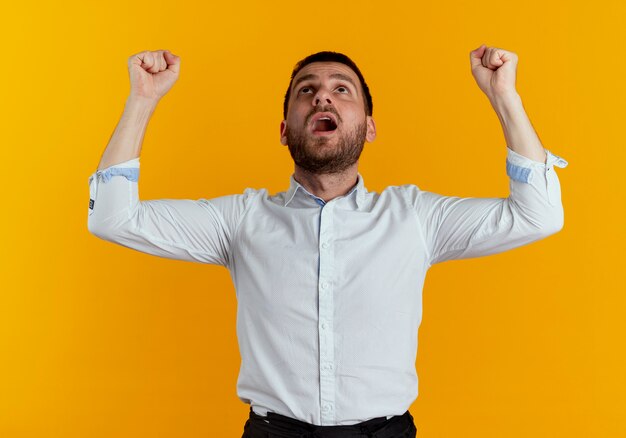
494,71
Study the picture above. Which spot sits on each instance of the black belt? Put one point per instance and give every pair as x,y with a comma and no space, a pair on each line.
276,425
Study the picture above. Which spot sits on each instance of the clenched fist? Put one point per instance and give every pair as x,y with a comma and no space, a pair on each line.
494,70
152,73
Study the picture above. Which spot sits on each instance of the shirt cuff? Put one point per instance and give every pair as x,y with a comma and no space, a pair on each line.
519,167
128,169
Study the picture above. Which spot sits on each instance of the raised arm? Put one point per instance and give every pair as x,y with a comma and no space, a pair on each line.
152,75
457,228
184,229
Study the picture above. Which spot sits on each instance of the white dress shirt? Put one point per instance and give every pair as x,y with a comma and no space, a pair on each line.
329,294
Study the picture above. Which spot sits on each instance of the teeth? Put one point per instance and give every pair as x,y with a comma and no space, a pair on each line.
324,118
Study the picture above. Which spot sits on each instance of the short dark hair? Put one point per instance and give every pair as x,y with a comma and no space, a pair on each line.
327,56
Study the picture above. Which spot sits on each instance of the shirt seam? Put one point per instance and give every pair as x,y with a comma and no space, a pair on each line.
419,225
221,216
247,202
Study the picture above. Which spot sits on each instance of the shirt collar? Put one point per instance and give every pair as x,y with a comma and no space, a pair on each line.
358,190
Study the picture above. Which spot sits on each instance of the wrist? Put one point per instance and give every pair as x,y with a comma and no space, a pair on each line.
507,100
141,103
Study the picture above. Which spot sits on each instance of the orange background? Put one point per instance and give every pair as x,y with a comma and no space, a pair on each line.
97,340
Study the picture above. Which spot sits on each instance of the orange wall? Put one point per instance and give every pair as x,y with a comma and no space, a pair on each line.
97,340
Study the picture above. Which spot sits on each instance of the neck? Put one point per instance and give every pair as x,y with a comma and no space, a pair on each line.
327,186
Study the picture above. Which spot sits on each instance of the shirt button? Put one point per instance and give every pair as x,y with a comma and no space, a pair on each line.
324,285
327,408
324,325
325,245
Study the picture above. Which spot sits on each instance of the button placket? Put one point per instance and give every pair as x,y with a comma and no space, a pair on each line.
326,309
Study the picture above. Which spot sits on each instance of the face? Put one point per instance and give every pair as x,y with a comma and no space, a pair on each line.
331,88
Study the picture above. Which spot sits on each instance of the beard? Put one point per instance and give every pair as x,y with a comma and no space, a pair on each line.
314,155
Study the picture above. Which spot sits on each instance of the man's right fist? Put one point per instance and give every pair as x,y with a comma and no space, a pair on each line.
152,73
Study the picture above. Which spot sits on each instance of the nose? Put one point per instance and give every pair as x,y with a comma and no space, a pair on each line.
322,97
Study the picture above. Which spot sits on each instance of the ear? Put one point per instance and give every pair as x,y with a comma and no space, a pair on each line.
371,129
283,138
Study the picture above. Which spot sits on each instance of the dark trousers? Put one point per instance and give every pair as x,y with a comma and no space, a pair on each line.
279,426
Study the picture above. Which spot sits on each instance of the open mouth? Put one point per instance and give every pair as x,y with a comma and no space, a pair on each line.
323,123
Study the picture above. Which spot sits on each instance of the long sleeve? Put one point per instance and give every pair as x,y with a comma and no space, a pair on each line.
458,228
183,229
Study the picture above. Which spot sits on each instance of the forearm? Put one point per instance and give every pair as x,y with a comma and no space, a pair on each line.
125,143
519,133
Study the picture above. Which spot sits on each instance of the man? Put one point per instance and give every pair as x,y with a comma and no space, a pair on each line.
328,275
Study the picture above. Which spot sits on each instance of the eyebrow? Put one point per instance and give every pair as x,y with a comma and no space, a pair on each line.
333,76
